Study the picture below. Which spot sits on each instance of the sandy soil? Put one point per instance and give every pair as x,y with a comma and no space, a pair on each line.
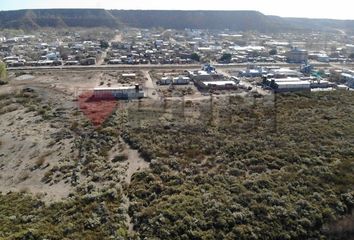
27,154
133,164
28,150
117,38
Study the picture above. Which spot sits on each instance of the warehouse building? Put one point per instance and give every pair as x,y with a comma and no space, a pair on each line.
180,80
290,84
120,92
284,73
216,85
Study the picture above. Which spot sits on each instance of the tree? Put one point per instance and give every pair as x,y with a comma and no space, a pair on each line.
195,57
351,56
226,58
3,72
64,52
273,52
104,44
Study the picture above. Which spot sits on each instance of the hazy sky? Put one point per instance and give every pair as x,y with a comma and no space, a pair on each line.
340,9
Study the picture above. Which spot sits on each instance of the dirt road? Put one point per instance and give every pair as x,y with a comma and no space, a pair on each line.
149,88
117,38
245,83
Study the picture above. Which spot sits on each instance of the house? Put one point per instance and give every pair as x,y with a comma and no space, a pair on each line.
165,81
297,55
128,75
88,61
181,80
53,56
200,76
323,58
253,72
284,72
115,61
349,78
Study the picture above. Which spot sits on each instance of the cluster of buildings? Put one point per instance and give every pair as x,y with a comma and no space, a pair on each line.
348,78
205,79
180,80
151,46
208,79
288,80
48,49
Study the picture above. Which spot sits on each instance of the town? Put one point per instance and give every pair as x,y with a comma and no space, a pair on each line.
213,61
173,124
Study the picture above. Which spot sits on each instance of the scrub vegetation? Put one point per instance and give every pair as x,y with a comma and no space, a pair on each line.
224,168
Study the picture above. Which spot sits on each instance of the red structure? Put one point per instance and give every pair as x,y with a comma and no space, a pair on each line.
97,110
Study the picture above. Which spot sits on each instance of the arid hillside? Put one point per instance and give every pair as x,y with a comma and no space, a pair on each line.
214,20
223,167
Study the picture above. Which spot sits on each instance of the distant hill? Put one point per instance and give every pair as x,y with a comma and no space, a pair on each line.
38,18
234,20
308,24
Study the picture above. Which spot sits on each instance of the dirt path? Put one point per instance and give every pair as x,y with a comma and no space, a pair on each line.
245,83
117,38
103,56
133,164
149,87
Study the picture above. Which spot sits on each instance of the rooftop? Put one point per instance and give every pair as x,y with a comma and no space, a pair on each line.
219,83
294,83
113,88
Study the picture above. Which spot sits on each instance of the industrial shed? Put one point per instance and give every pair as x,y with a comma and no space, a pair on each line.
121,92
216,85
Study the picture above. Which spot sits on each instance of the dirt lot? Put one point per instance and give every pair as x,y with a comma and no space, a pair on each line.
168,91
46,139
39,114
31,144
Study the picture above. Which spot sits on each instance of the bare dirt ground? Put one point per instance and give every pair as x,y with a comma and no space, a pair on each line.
134,162
117,38
149,87
29,148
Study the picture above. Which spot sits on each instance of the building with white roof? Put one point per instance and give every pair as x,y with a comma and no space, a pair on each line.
119,92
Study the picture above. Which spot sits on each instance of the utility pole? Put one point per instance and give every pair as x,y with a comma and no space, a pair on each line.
275,112
3,71
183,106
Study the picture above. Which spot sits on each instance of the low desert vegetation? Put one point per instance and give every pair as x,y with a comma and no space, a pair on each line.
234,168
246,169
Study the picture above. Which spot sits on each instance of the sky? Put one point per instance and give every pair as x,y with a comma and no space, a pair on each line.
339,9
